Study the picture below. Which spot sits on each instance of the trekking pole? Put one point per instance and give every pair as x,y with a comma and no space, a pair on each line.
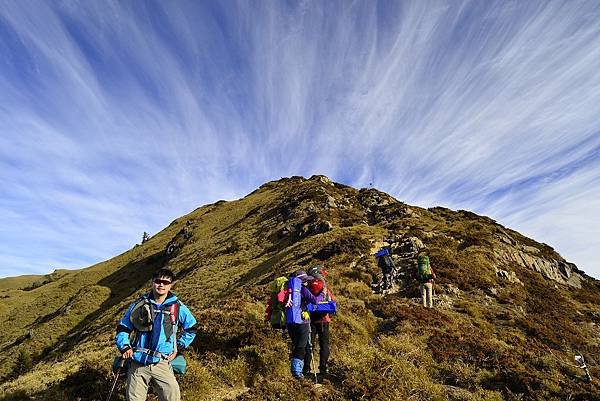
581,361
312,359
312,365
116,378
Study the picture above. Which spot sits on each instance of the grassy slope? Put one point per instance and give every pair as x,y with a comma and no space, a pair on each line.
30,282
489,346
15,283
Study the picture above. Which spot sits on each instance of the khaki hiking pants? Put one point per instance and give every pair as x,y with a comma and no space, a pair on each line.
427,294
160,375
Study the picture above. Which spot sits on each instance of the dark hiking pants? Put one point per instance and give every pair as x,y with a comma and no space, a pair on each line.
299,333
320,330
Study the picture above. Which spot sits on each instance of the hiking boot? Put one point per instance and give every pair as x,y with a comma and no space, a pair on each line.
296,368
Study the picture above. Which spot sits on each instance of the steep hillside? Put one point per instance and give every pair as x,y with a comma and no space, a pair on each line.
510,312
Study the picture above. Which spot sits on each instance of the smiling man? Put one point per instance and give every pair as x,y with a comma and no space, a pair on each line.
147,335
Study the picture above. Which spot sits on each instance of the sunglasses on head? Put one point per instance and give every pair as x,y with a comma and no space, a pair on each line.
163,282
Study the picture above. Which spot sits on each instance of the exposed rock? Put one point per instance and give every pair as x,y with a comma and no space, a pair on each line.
492,291
505,237
408,247
559,271
317,227
372,198
331,204
442,301
411,212
530,249
326,226
377,245
321,178
450,290
511,277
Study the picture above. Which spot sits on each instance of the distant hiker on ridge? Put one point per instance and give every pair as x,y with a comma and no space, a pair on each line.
425,276
154,319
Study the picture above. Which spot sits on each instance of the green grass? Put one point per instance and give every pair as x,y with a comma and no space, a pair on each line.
489,346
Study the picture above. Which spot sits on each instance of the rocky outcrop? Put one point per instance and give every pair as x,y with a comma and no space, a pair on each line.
323,179
316,227
324,205
557,270
373,198
511,277
408,247
505,237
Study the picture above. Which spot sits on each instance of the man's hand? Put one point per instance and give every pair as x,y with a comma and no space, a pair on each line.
127,354
172,356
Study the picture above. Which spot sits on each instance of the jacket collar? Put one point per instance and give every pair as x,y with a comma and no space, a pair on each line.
170,299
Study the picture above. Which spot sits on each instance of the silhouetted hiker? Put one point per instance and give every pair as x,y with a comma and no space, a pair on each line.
319,326
145,237
154,319
298,319
386,264
425,276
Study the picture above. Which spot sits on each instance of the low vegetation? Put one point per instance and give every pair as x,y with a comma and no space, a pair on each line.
493,339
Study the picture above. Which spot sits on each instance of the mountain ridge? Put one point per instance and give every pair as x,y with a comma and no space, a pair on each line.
491,279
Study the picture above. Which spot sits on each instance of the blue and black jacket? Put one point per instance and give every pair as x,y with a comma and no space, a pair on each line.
149,347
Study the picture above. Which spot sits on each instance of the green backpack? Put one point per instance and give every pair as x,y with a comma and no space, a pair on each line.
277,318
424,273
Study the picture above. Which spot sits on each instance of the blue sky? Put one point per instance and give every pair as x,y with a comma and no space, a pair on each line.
118,117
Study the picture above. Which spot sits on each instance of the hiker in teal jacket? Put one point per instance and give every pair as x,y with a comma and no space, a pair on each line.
154,319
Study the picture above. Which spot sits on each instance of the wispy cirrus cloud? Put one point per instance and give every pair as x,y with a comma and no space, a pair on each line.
118,117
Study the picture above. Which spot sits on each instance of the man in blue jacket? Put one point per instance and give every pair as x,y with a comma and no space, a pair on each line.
147,335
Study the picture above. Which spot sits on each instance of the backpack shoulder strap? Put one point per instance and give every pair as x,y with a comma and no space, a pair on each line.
177,306
140,299
169,325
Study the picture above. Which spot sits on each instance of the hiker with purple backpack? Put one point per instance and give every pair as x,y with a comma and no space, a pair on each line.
290,307
298,319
